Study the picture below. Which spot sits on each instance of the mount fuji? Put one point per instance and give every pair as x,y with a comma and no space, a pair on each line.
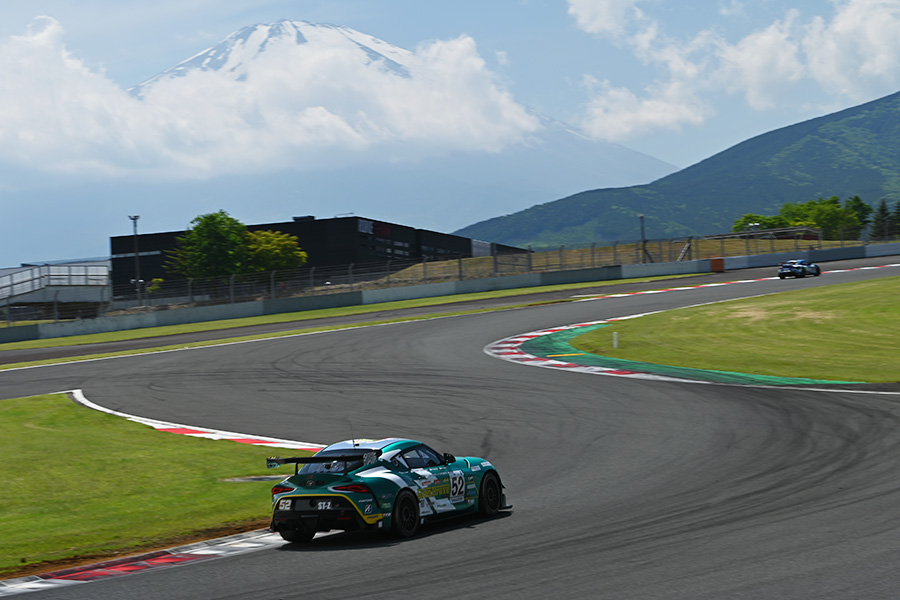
241,52
397,139
291,119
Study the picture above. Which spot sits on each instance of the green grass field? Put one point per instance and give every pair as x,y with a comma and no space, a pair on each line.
843,332
86,484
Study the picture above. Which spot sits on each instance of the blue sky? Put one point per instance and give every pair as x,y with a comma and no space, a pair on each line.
679,81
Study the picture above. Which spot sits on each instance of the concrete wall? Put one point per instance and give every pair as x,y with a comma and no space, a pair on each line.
582,275
882,250
19,333
673,268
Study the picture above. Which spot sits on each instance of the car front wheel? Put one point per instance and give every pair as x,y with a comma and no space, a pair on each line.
490,496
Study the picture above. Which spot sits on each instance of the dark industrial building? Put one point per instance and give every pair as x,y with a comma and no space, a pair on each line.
328,242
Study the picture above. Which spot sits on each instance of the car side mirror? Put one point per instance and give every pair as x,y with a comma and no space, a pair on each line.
449,458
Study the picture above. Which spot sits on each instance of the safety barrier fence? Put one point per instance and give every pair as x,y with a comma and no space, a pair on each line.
311,281
159,294
40,277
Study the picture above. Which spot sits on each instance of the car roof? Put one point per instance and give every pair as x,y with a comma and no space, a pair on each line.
368,444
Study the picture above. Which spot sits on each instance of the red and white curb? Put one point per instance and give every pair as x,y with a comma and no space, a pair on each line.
208,550
510,349
203,432
228,546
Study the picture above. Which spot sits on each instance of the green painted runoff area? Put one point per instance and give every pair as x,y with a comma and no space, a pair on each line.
839,333
558,346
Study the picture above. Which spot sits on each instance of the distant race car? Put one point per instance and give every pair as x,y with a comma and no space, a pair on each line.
798,268
391,484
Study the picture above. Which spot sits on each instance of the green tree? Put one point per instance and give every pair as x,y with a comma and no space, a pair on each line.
862,210
894,222
273,251
765,222
826,214
881,222
214,246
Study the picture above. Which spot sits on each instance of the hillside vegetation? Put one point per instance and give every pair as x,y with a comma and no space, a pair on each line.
848,153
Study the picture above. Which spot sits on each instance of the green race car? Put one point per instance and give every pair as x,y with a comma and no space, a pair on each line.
391,484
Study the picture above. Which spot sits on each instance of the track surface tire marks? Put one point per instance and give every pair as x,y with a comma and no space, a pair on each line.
622,489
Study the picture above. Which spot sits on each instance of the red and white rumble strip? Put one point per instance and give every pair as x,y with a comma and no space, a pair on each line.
213,434
509,349
228,546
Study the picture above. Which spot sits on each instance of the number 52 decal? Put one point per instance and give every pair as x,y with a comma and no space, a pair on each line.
457,486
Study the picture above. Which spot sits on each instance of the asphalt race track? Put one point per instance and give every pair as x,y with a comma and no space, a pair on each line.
622,488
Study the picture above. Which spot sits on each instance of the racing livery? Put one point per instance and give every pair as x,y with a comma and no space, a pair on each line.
798,268
391,484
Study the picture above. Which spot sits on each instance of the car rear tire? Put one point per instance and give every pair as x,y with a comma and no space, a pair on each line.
405,516
296,536
490,496
781,276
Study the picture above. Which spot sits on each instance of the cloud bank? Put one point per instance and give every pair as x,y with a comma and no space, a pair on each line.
850,55
329,108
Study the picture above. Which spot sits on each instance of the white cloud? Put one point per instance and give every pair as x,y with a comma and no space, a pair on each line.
48,99
605,17
329,108
858,50
764,64
618,114
851,55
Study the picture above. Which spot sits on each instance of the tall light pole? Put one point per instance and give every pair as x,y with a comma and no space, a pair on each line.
137,261
643,240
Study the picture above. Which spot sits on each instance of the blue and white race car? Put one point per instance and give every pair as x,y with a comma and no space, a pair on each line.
798,268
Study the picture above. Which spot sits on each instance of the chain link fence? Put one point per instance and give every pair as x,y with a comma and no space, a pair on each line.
160,294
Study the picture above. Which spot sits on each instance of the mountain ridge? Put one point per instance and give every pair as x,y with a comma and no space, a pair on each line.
846,153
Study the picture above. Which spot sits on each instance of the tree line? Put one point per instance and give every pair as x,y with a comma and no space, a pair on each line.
836,220
218,245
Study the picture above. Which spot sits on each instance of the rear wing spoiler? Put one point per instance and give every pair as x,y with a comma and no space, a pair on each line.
368,458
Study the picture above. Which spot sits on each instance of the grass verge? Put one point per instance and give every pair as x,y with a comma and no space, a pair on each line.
843,332
88,485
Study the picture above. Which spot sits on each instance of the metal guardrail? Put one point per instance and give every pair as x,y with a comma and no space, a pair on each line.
40,277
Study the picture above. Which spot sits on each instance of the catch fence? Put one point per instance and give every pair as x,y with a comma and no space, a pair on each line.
160,294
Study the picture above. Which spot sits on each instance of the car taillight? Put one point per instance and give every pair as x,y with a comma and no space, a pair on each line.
353,487
280,489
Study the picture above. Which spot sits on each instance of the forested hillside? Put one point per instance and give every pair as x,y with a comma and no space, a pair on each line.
854,152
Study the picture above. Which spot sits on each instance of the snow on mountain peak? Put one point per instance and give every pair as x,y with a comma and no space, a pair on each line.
254,43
